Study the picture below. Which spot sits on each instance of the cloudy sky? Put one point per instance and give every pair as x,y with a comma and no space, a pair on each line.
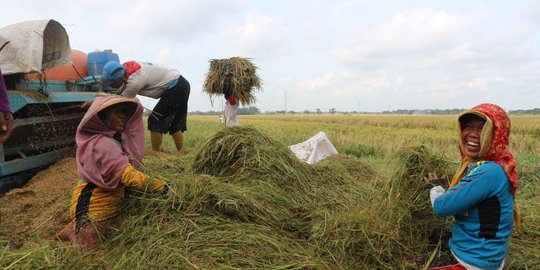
362,55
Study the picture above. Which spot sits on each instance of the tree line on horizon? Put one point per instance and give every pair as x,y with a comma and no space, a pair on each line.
252,110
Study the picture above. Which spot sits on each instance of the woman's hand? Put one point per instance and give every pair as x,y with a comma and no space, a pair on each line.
6,126
432,180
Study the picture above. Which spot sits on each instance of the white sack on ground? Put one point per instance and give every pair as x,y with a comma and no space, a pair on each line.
314,149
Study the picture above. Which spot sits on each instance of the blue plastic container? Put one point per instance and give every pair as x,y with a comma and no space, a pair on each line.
96,61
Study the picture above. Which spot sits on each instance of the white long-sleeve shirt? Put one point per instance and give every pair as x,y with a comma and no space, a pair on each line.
150,80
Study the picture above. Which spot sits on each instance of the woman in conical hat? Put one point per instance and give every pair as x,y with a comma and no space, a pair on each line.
110,145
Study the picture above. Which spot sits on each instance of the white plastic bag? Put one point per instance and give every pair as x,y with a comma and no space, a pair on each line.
33,46
314,149
230,114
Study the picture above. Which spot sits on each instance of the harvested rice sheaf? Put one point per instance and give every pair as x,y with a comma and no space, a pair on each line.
346,165
342,182
242,75
420,228
245,152
258,202
357,239
354,223
414,164
258,179
255,179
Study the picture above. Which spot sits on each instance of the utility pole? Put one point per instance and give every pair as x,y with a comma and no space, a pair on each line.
285,101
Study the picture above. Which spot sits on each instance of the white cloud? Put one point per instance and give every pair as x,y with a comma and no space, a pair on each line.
284,80
164,56
316,85
407,34
260,35
180,21
368,55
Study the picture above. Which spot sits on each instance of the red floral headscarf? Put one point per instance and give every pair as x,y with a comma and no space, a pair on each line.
498,150
131,67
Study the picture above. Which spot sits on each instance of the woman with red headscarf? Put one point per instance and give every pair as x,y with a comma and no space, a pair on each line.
481,195
110,145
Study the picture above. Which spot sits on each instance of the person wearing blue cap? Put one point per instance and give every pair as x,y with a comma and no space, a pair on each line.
166,84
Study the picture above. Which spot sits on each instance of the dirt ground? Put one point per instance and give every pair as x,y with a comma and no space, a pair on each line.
40,208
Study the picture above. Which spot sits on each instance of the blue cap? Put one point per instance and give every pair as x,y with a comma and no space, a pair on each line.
113,70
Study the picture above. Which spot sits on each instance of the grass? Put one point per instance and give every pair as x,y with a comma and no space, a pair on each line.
365,210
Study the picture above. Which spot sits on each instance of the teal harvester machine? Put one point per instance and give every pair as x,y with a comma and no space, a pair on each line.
46,112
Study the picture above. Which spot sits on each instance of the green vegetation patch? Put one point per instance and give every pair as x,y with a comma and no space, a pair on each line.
242,200
245,152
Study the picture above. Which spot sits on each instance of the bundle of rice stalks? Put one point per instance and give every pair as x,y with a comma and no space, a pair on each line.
419,226
244,152
341,183
207,242
350,165
356,239
241,74
45,257
259,202
217,224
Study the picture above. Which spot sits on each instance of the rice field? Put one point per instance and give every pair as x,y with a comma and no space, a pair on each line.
240,200
373,135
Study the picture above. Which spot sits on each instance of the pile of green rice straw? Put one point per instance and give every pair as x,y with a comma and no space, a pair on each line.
244,201
244,79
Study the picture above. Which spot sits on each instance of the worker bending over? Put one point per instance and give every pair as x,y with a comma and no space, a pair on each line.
172,89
